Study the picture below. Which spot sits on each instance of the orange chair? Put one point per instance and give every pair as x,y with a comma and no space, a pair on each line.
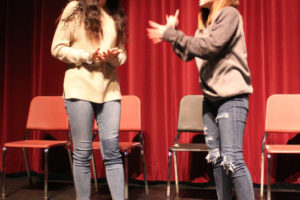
130,122
45,114
282,116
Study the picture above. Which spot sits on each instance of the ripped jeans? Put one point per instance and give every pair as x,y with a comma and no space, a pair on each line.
81,115
224,124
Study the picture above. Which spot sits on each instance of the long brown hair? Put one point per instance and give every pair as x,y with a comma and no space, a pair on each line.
87,10
206,16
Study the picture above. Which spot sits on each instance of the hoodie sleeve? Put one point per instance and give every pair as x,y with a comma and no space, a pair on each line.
222,29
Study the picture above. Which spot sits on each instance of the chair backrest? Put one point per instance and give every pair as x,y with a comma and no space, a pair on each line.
130,114
283,113
190,114
47,113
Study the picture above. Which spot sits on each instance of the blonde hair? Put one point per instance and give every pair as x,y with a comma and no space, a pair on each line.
206,16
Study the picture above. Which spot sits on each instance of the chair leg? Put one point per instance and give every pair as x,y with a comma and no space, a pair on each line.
27,166
126,173
144,163
94,172
71,164
169,174
176,173
145,173
3,173
46,174
269,178
262,176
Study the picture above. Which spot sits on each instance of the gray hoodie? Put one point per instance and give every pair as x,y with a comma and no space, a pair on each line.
220,53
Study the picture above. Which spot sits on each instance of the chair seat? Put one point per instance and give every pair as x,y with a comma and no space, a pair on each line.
283,149
36,143
124,146
189,147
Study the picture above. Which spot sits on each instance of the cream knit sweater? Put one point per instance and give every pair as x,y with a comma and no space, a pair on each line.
92,82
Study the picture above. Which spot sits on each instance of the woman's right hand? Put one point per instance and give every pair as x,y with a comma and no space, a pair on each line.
172,20
94,55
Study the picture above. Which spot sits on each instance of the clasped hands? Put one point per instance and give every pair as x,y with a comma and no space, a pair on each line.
156,31
105,56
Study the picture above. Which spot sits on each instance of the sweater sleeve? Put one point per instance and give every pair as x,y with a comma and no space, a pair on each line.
219,34
61,44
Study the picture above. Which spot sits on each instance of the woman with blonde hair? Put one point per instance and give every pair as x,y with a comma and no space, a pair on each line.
219,49
90,38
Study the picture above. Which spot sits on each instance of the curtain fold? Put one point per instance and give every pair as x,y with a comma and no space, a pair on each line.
153,73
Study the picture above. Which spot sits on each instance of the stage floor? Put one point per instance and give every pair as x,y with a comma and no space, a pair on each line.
18,189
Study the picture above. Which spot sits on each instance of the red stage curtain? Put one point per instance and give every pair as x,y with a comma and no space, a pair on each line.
153,73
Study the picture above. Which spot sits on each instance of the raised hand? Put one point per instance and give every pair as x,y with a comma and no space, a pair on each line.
156,31
172,20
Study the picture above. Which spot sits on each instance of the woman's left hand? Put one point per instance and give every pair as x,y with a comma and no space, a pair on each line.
156,31
108,55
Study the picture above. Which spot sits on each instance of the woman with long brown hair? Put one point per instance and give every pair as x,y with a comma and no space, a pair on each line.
90,38
221,56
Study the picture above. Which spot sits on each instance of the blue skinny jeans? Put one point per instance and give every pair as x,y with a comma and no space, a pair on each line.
224,124
81,115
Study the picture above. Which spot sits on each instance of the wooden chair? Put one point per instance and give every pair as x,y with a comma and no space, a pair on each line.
130,122
189,120
282,117
46,113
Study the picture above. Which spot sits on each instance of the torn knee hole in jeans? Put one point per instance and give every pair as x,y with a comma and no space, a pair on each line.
209,140
224,115
205,130
228,166
213,156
